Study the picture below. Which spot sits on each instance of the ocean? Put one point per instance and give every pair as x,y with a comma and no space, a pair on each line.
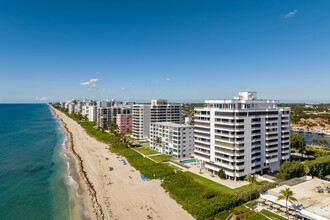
33,167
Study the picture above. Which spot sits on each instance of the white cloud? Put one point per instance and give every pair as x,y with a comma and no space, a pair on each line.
84,83
291,14
41,98
168,79
91,81
94,80
123,89
91,84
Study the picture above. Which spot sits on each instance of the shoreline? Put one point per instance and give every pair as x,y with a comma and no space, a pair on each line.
310,132
113,189
87,186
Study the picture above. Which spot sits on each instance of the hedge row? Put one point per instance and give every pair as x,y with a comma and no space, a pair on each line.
319,166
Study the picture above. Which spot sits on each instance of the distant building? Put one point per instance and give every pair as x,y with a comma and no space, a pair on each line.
71,107
188,120
243,135
157,111
124,123
106,114
176,140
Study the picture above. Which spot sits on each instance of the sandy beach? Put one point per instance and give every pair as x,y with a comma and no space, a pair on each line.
112,190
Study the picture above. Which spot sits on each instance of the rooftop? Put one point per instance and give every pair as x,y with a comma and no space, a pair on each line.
315,205
243,97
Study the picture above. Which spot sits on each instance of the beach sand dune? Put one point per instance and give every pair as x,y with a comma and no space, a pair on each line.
113,190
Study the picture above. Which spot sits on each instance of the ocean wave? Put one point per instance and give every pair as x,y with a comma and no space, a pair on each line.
83,204
66,155
73,183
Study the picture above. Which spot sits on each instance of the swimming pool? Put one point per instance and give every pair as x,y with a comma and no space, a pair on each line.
188,161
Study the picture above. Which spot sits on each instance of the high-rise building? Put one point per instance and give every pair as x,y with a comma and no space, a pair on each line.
157,111
176,140
244,135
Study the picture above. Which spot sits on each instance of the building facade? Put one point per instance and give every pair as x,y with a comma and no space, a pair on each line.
244,135
157,111
176,140
124,123
105,114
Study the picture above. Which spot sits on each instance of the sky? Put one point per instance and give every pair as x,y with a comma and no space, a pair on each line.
183,51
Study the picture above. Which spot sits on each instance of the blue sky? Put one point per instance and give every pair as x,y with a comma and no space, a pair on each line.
185,51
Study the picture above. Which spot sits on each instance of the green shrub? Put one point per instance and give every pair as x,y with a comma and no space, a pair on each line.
290,169
221,174
319,166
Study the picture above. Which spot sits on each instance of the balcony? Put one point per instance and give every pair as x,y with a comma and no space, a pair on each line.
201,135
202,124
271,160
255,163
202,130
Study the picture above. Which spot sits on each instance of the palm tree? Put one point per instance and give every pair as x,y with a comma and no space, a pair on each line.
323,143
251,179
314,141
113,127
287,195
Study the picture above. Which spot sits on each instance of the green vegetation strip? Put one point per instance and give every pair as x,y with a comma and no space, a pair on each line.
254,216
272,215
161,158
252,204
319,166
214,185
175,167
146,150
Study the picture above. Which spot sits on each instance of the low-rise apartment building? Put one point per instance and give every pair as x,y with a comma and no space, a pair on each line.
175,140
105,114
124,123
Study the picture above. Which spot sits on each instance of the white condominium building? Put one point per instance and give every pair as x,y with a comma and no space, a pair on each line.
244,135
157,111
176,140
105,114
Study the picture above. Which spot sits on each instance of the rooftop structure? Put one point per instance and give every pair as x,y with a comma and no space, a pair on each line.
310,204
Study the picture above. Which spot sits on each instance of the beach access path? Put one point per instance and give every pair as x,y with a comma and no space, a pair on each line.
119,189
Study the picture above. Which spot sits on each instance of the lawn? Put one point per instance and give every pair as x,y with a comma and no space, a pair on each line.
272,215
161,158
213,185
146,150
254,216
237,210
175,167
252,204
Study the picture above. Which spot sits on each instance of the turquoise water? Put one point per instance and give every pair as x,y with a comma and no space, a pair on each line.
188,161
32,166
